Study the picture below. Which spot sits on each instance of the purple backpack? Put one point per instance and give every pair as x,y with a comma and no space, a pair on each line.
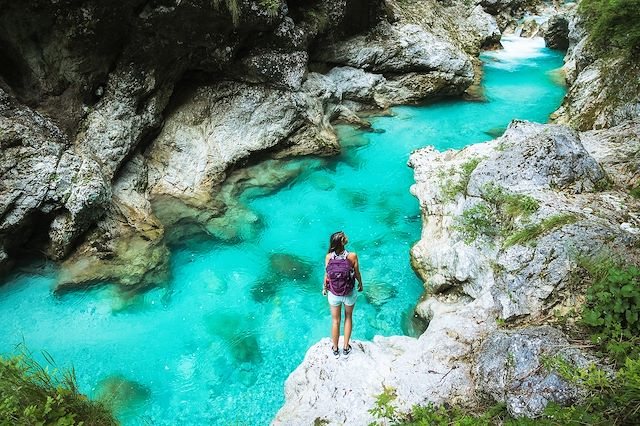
341,281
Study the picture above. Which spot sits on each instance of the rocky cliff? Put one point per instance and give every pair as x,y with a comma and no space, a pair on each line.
504,223
119,120
604,86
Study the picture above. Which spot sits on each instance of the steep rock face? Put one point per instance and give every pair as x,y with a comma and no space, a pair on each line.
102,76
604,87
471,283
556,33
222,125
127,244
617,149
42,184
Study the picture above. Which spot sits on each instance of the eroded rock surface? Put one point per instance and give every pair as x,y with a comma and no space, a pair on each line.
604,87
509,368
243,87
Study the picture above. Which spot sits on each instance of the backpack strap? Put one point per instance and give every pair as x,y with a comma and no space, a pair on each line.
342,255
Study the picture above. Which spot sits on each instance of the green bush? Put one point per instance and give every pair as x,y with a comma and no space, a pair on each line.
31,395
613,23
271,6
612,312
475,222
232,6
612,397
509,206
497,216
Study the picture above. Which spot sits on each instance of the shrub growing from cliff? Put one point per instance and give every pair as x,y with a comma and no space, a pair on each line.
31,395
497,216
613,23
612,312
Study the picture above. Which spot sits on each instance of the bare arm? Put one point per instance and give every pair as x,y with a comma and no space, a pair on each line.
325,281
356,268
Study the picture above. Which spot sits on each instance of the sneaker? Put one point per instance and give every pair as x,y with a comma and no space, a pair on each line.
346,351
336,353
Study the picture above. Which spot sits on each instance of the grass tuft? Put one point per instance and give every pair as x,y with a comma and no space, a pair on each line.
532,232
30,394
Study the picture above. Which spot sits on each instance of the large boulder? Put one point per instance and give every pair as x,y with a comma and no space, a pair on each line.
510,369
544,162
221,125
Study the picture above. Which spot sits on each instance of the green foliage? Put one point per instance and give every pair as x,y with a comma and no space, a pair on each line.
613,398
603,184
475,222
612,312
318,17
233,7
271,6
497,216
531,232
613,23
384,408
450,188
32,395
509,206
635,192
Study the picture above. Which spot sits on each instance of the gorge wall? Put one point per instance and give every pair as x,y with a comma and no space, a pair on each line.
118,121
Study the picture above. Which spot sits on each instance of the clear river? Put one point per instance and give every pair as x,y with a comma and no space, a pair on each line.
215,344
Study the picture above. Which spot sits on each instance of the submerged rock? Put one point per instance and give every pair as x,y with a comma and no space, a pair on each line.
379,293
290,266
124,396
238,335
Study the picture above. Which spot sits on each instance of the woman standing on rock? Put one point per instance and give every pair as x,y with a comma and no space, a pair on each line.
341,271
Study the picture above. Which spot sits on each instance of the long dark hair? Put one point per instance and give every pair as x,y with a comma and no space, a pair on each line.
336,242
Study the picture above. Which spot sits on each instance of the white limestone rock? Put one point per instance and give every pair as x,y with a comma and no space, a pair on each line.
224,124
509,369
399,49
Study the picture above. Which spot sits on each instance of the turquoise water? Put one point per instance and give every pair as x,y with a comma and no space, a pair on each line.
216,343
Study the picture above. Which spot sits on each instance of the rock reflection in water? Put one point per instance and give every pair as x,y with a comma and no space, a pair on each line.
412,324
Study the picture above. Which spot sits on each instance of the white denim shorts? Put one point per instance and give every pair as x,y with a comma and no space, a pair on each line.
348,300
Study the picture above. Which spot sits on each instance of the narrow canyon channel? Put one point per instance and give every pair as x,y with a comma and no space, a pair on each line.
215,344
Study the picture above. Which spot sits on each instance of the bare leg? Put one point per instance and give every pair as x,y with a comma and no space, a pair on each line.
348,310
335,324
